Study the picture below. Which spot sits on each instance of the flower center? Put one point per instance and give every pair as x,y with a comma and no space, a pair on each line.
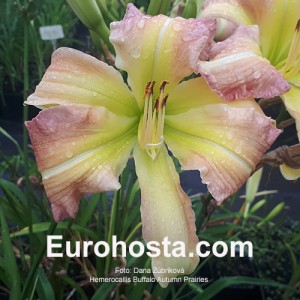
151,125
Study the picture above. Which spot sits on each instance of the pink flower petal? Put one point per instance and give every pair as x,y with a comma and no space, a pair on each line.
76,78
79,150
238,71
158,48
223,141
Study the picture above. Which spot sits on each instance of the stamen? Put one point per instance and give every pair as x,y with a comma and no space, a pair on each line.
162,86
164,102
298,26
156,105
147,88
152,122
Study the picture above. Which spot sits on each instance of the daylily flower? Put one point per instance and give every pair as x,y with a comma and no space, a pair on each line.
92,121
263,59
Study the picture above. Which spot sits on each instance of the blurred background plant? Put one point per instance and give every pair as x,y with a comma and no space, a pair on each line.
26,218
19,29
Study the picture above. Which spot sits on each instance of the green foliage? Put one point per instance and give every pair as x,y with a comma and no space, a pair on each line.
15,18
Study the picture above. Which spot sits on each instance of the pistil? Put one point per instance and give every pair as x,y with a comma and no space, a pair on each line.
152,122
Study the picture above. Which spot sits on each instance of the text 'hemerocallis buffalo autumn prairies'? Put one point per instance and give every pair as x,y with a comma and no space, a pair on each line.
92,121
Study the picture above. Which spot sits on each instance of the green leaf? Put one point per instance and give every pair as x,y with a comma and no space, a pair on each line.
6,134
190,10
42,227
11,267
89,210
272,214
225,282
76,286
44,288
103,292
257,206
252,185
158,7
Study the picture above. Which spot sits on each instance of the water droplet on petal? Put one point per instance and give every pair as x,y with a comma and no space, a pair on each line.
136,52
50,125
94,94
260,120
168,50
128,25
256,74
140,24
190,36
229,136
237,149
176,27
69,154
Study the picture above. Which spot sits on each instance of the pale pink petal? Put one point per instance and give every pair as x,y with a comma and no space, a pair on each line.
223,141
76,78
236,69
158,48
276,20
240,12
79,150
166,212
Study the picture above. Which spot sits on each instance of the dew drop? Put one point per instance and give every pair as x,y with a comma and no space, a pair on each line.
128,25
94,94
51,126
237,149
168,50
136,52
229,136
260,120
141,24
190,36
69,154
176,27
256,74
69,76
